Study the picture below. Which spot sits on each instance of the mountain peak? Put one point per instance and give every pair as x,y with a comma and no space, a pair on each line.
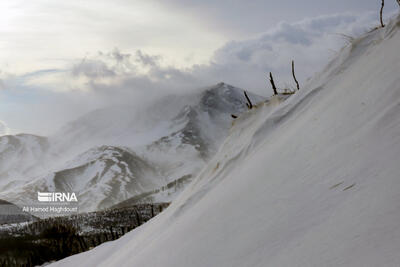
225,98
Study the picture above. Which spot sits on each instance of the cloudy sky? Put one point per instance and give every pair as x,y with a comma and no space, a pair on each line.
60,59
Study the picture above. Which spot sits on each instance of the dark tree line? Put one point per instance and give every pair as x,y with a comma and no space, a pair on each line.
59,237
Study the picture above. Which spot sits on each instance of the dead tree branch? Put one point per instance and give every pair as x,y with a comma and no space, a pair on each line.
249,104
294,76
381,12
271,79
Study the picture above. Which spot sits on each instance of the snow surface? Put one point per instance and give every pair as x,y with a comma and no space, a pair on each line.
313,181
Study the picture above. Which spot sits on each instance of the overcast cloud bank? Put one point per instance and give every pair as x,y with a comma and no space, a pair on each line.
109,78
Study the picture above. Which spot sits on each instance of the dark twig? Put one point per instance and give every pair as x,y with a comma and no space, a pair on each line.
234,116
383,4
271,79
294,76
249,104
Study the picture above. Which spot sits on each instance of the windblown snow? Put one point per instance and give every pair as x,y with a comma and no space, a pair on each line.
312,181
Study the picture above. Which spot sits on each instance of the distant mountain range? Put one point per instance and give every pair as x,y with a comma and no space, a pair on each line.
113,155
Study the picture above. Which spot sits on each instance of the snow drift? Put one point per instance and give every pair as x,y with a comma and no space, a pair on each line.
313,181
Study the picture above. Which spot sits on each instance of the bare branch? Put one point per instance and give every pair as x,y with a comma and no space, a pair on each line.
294,76
271,79
249,104
380,13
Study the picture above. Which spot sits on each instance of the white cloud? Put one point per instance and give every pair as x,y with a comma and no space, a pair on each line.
47,33
310,42
238,18
108,78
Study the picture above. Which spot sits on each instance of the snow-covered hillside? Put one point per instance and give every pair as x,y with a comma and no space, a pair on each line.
313,181
115,154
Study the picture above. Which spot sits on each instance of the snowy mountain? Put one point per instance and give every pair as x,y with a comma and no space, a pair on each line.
197,131
106,157
100,177
313,181
128,125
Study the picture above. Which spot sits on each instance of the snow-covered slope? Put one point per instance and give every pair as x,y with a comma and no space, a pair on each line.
311,182
115,154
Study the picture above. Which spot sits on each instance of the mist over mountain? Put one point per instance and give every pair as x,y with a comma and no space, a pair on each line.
22,156
113,154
